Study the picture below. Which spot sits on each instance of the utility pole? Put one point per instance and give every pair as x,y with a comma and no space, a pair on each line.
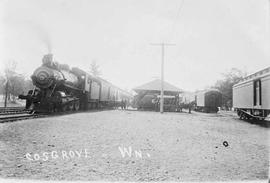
162,72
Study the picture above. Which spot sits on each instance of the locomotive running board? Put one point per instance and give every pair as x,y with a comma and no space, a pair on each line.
257,117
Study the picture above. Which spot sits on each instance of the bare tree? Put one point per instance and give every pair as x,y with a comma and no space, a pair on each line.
9,73
12,84
2,84
94,69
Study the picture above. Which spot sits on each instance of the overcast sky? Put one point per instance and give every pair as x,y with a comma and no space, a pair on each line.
211,36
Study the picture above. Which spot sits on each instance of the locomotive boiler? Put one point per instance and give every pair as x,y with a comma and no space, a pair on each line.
51,74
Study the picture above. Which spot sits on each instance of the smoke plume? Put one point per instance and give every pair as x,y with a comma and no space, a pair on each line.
42,34
34,28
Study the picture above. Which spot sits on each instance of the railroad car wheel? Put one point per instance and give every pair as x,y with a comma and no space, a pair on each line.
76,105
64,108
70,106
56,109
241,114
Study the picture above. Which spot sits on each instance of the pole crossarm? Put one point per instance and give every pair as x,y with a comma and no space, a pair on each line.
160,44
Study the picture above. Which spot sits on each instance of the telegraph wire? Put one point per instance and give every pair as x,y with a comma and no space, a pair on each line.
179,13
163,45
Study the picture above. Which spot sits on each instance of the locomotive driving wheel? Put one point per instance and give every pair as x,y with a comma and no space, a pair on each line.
76,105
70,106
56,109
64,108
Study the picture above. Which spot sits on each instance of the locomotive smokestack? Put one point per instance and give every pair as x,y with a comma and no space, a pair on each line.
47,59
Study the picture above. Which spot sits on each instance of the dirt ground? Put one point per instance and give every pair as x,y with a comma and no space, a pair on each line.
164,147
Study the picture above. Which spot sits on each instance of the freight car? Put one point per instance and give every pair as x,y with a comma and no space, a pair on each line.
59,88
208,100
251,96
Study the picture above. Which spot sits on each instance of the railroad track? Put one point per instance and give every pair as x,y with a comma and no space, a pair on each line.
9,114
16,117
19,113
13,110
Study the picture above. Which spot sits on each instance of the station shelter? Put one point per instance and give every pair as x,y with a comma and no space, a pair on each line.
148,96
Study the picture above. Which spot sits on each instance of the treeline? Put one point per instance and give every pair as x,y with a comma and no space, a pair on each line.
225,86
13,84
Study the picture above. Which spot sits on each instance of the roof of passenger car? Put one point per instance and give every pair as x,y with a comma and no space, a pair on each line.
260,74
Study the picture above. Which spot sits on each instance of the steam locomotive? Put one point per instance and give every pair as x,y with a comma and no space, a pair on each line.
59,88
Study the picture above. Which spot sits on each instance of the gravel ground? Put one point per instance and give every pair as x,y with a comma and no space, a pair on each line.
173,146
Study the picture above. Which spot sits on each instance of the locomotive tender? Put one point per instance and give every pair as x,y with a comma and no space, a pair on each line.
251,96
59,88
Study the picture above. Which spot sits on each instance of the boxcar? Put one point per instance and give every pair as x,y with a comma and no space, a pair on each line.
208,100
251,96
